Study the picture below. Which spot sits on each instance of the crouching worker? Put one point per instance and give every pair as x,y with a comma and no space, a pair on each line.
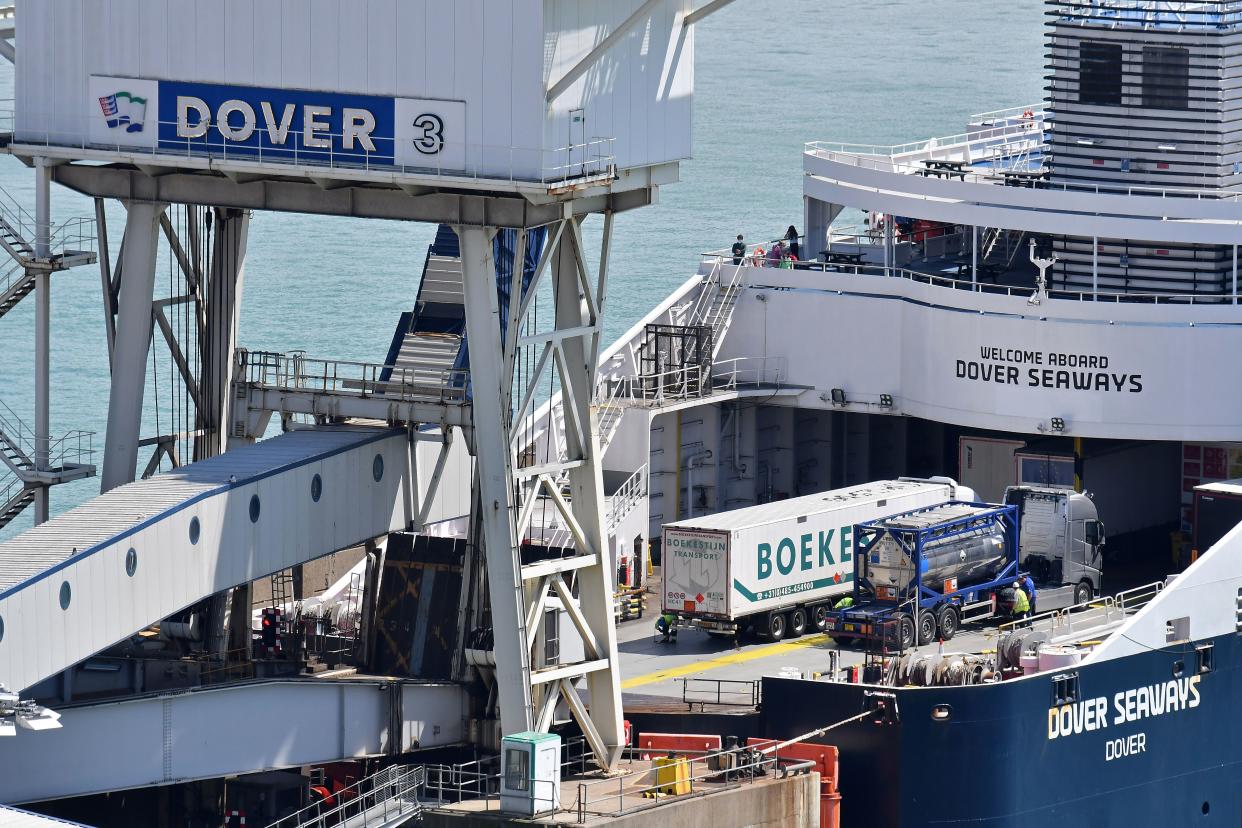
666,625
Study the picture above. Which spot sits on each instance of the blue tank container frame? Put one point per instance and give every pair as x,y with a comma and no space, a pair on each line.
913,612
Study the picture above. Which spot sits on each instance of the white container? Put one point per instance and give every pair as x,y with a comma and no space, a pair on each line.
779,555
1057,657
1030,663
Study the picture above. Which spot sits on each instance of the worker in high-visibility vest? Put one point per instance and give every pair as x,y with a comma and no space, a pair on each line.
666,625
1021,604
844,603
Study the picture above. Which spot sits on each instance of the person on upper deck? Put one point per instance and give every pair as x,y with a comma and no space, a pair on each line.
791,237
776,253
739,250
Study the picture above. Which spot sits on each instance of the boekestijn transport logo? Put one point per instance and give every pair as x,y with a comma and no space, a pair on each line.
124,109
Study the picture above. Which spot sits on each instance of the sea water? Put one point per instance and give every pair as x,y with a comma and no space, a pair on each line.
770,75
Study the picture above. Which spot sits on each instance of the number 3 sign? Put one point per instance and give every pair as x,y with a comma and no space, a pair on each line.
431,133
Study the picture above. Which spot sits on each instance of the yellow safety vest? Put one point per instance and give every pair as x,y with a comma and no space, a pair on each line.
1020,603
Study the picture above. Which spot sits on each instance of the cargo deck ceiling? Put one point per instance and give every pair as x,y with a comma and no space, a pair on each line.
137,554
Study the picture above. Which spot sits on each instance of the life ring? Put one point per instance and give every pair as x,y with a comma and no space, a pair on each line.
758,256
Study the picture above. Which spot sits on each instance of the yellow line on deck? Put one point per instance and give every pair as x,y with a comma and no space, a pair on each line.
724,660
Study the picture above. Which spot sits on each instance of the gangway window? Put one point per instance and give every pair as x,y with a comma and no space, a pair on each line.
1099,73
1166,77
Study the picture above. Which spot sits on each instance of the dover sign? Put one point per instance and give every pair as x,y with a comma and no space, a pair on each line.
280,125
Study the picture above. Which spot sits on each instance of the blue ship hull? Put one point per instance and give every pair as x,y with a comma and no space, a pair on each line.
1169,755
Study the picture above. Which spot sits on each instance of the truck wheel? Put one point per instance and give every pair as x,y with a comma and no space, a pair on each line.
905,631
1083,593
927,627
948,623
797,623
776,626
822,616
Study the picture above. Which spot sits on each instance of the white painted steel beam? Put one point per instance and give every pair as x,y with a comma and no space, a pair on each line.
228,730
363,199
43,334
223,294
492,387
520,595
595,584
704,10
580,68
353,406
133,335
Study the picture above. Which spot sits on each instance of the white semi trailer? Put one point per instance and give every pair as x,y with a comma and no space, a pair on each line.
778,567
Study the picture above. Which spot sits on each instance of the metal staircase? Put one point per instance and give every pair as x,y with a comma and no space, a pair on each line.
73,243
716,300
441,282
15,496
632,492
16,282
428,357
383,800
68,459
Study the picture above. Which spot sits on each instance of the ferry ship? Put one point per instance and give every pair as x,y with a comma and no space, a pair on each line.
1049,298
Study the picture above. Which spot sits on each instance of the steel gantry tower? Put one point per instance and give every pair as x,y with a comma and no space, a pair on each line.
535,117
509,491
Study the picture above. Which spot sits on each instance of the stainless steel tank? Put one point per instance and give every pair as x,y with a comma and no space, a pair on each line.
971,560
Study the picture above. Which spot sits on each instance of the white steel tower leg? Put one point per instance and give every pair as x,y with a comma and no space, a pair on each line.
520,595
579,307
223,294
495,474
43,337
133,335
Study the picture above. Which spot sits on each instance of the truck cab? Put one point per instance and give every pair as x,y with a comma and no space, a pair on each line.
1060,543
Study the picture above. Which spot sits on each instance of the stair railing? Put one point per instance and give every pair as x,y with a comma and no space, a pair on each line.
376,800
632,492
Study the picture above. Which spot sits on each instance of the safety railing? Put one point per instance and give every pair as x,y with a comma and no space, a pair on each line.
76,234
72,449
878,159
294,372
908,274
748,372
632,492
478,779
1178,14
1008,114
721,692
1094,615
11,274
264,144
376,800
715,771
939,144
10,486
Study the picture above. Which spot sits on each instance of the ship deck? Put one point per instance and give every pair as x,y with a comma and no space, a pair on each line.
655,674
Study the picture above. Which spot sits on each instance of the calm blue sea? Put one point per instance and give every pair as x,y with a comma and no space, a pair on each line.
770,75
